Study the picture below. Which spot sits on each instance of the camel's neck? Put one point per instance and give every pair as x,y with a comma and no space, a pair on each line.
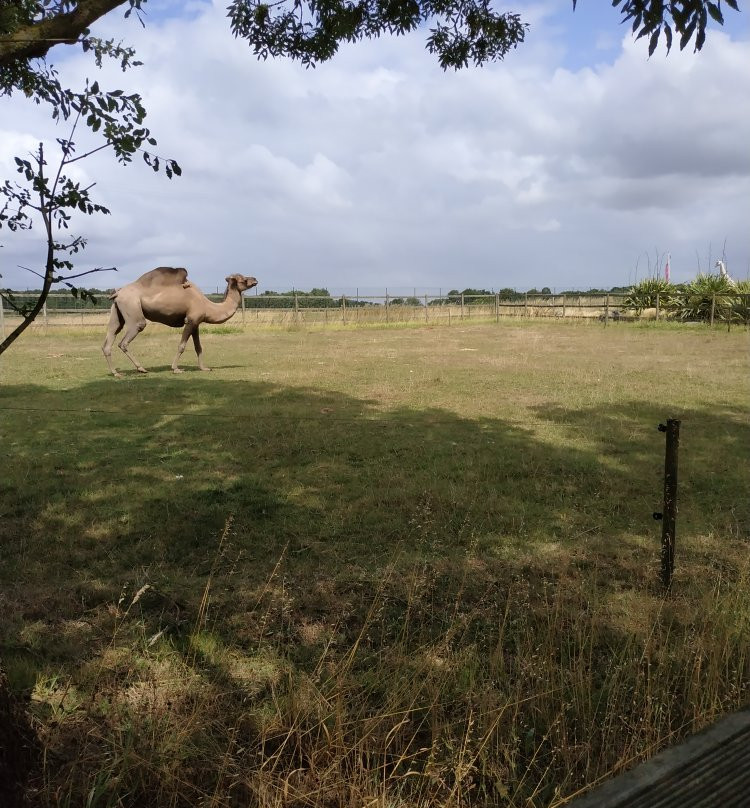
221,312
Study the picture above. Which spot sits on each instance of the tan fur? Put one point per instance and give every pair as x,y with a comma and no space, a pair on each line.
165,295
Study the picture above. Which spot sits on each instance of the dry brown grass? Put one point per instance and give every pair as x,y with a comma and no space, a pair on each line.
438,584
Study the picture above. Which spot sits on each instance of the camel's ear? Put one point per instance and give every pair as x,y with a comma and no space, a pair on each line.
230,278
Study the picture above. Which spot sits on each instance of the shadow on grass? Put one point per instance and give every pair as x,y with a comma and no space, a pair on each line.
129,373
113,485
712,472
272,524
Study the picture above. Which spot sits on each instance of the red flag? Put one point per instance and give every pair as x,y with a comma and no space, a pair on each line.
666,269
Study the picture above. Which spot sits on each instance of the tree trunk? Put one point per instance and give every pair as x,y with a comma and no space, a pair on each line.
35,39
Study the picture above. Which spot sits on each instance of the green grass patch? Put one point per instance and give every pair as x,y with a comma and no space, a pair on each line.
404,567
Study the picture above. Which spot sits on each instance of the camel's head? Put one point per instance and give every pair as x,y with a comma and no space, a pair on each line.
241,282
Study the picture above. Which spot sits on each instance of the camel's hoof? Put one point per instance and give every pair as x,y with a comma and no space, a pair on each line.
177,370
142,370
117,375
206,370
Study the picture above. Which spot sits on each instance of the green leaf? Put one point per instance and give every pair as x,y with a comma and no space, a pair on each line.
715,13
686,35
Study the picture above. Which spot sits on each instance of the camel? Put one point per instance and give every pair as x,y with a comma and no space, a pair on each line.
165,295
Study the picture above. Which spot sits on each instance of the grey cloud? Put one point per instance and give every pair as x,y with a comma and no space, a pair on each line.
380,169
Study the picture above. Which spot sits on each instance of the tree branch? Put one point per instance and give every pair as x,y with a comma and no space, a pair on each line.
87,272
34,40
87,154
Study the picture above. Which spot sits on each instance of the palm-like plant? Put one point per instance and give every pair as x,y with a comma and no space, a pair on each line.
708,293
741,309
644,295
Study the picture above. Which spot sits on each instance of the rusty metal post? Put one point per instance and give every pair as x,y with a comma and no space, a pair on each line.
669,515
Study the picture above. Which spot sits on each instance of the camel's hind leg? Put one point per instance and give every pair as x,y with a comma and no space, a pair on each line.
133,330
116,322
134,322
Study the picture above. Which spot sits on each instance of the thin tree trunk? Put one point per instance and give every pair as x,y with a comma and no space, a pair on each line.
29,318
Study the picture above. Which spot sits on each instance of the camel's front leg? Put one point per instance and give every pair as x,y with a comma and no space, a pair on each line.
187,331
198,350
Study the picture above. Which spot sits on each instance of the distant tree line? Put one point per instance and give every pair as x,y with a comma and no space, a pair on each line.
316,298
321,298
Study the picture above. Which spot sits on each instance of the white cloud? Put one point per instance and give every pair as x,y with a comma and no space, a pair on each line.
379,169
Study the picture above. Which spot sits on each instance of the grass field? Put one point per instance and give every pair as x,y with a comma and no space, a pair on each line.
370,567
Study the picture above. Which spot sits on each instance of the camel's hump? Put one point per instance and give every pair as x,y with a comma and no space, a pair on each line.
163,276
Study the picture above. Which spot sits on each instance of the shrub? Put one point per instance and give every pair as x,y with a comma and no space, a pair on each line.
643,295
741,309
707,291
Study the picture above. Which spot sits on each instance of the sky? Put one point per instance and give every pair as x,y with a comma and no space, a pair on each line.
576,162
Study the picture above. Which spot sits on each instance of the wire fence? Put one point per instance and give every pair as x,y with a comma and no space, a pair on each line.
321,310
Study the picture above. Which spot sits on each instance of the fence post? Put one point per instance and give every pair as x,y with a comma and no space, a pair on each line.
296,307
525,304
606,310
657,306
462,305
2,320
497,307
44,312
713,306
563,306
669,515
